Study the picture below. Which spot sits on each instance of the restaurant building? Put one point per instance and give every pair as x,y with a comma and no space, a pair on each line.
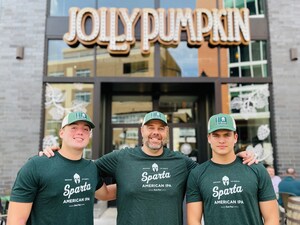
118,60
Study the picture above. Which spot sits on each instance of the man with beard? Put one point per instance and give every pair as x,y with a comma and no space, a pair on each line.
151,178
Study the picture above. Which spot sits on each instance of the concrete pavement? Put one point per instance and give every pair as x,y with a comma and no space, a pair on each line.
107,218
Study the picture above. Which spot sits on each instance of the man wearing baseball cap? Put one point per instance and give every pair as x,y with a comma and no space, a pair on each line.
151,179
61,189
225,191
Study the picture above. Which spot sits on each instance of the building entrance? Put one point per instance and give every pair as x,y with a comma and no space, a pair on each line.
186,112
185,105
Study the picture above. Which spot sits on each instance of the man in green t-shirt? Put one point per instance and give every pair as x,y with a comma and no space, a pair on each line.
151,179
225,191
61,189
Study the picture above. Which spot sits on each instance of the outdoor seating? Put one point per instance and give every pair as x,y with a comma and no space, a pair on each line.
4,202
285,197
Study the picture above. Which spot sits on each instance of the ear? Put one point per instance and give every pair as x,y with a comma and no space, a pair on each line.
236,138
61,132
142,129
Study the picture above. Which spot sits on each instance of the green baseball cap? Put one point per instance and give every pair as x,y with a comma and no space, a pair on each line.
73,117
155,115
221,122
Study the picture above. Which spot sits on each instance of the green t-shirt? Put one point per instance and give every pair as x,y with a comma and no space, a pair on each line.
230,193
62,190
150,189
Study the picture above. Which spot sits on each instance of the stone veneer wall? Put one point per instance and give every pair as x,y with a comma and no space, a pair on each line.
22,23
284,27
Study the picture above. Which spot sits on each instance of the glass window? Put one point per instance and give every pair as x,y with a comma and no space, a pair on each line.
180,61
130,109
261,7
234,54
239,4
256,53
234,72
246,71
61,99
69,62
135,67
248,61
178,4
135,64
185,141
125,137
61,7
228,4
256,7
249,105
264,50
179,109
244,53
129,4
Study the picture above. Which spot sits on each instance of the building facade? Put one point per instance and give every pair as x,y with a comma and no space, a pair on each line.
119,60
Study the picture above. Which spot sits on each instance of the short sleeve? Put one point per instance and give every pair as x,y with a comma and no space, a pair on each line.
26,184
193,191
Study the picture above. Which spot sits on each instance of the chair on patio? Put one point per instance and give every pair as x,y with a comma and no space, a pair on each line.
3,211
285,198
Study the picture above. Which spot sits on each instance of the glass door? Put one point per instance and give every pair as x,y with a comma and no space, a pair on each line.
126,119
128,112
182,118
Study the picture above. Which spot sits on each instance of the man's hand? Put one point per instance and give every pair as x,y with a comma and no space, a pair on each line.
49,151
249,157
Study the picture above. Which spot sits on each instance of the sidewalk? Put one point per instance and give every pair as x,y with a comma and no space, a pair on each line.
107,218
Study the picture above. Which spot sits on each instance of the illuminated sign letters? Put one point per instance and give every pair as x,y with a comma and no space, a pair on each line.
222,26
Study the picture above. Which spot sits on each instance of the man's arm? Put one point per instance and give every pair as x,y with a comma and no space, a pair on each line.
18,213
194,213
106,192
270,212
49,151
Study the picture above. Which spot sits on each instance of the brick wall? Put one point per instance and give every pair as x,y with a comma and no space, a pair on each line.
284,26
22,23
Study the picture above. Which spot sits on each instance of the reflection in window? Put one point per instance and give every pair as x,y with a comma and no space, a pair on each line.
128,4
184,140
124,138
61,7
135,64
83,73
248,61
256,7
180,61
83,96
66,61
233,53
130,109
178,4
135,67
178,109
249,105
244,53
60,99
